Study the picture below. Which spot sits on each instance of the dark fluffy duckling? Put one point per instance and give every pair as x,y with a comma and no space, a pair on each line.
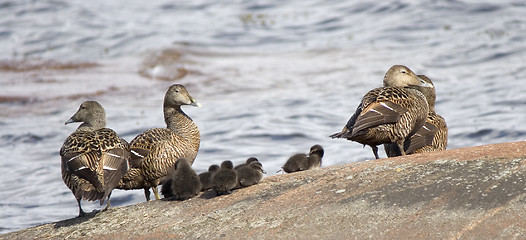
206,177
94,158
250,174
155,151
301,161
389,114
225,179
166,187
248,161
184,182
432,136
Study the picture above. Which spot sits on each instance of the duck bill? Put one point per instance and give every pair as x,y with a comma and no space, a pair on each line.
71,120
195,103
425,84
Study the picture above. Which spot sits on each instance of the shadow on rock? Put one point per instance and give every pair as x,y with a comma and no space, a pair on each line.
76,220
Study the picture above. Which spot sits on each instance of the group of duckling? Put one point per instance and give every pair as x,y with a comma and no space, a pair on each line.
184,183
95,160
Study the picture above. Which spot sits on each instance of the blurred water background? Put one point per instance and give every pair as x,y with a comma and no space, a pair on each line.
274,78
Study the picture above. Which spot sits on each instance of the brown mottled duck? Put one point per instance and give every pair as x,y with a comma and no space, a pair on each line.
432,136
389,114
94,158
156,150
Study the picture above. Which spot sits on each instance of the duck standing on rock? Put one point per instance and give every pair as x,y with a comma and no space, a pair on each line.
94,158
432,136
156,150
302,162
389,114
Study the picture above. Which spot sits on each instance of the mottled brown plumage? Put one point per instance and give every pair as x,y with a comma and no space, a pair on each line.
302,162
432,136
389,114
156,150
94,158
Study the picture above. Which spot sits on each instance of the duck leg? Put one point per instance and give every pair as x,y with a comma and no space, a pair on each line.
375,151
156,193
81,212
147,193
401,147
107,203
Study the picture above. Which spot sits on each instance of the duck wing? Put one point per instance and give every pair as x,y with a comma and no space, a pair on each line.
374,114
423,137
84,165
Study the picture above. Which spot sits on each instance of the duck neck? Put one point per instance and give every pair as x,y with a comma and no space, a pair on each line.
431,108
177,121
92,126
428,94
314,159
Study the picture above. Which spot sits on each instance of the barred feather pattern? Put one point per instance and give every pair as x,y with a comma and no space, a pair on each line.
159,149
408,124
437,143
433,137
440,138
93,161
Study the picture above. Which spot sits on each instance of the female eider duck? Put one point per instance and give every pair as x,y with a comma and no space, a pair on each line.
432,136
389,114
94,158
302,162
156,150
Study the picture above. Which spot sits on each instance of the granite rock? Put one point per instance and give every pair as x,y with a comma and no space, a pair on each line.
466,193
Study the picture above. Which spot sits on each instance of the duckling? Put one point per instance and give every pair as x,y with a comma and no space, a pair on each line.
155,151
225,179
301,162
94,158
206,177
185,182
432,136
166,187
250,174
248,161
316,153
389,114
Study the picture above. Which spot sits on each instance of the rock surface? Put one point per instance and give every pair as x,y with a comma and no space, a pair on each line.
469,193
